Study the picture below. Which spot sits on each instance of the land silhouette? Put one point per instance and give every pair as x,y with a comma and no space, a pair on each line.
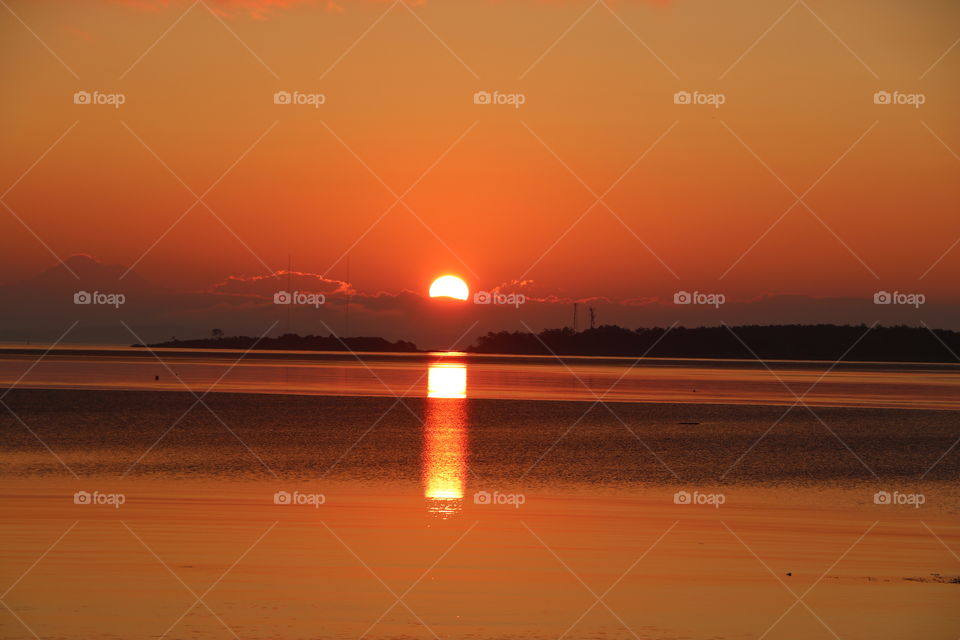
289,342
769,342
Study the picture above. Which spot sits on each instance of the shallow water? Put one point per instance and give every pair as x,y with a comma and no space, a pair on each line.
534,443
371,562
920,386
145,513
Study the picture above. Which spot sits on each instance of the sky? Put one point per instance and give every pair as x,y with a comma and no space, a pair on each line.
786,187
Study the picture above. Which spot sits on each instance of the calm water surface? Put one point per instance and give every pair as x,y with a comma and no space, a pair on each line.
928,386
410,490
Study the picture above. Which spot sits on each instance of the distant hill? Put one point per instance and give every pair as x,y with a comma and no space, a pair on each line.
291,342
777,342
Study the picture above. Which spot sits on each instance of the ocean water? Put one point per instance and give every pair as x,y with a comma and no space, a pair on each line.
919,386
311,497
474,441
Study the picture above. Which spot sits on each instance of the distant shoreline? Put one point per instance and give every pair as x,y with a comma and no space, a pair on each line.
291,342
799,343
452,357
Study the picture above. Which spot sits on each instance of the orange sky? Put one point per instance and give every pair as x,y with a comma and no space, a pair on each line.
506,185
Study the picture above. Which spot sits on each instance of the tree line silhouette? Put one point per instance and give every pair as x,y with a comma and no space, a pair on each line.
773,342
289,342
770,342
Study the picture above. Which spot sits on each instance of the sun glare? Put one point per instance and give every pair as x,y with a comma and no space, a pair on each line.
447,381
449,287
445,439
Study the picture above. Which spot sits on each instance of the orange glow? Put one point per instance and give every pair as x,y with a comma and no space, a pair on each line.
445,439
449,287
447,381
709,201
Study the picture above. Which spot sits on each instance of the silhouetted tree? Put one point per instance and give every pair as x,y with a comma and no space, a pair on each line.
779,342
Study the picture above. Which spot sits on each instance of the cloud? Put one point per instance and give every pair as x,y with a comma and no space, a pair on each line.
533,292
262,9
35,308
255,9
266,286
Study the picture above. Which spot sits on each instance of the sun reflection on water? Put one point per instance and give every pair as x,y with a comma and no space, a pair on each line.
445,439
447,380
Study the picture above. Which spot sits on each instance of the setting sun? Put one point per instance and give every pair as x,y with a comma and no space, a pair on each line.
485,299
449,287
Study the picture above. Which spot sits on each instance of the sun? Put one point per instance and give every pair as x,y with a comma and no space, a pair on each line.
449,287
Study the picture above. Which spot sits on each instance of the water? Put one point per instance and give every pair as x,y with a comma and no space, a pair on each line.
919,386
454,445
495,498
